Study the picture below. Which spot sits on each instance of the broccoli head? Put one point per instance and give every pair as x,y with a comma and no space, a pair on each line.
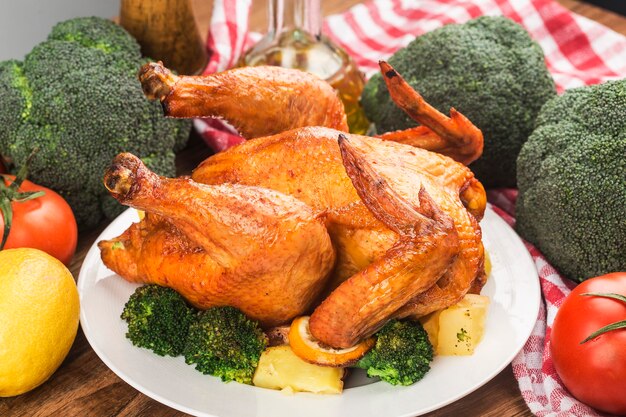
15,99
77,98
402,353
158,319
94,32
490,70
572,181
223,342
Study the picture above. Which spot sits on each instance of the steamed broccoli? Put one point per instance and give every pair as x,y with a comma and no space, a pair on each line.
15,105
76,96
225,343
158,319
402,353
490,70
100,34
572,181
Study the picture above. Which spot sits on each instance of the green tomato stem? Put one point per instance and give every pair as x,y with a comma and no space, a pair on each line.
606,295
11,193
613,326
609,327
23,171
7,214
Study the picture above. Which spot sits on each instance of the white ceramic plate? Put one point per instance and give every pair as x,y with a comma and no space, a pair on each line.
513,287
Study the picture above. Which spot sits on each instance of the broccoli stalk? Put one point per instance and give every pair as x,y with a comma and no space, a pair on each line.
158,319
223,342
572,181
402,353
490,70
77,98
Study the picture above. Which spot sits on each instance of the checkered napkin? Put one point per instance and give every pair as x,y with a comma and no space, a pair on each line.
578,52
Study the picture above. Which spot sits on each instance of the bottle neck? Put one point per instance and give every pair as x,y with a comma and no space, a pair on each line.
287,15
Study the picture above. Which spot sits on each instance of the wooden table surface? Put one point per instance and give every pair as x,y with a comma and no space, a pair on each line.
84,386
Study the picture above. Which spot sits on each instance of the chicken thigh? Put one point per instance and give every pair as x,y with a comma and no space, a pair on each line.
219,244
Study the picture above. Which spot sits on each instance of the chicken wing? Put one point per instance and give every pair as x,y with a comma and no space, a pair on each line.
426,246
455,136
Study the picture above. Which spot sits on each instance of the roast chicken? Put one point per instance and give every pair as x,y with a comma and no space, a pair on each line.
401,214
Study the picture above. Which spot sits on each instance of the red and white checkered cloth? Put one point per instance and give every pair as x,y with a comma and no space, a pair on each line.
578,52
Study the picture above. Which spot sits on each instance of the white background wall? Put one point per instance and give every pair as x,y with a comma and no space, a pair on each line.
25,23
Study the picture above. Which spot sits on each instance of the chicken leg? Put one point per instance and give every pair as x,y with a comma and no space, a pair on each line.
257,101
219,245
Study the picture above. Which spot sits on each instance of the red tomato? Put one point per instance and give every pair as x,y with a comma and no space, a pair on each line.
595,371
46,223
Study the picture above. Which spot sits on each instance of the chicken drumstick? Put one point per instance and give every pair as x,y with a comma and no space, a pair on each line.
219,244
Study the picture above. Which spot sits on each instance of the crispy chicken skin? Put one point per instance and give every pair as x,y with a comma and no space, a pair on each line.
257,101
455,136
426,244
402,216
219,245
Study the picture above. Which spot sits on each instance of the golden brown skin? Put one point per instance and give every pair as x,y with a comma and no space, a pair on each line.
426,245
408,255
306,163
456,136
219,245
247,98
451,185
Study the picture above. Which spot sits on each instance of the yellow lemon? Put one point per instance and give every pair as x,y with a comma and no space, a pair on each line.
39,312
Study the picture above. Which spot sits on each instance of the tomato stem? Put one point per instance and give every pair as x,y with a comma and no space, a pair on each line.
613,326
11,193
7,214
606,295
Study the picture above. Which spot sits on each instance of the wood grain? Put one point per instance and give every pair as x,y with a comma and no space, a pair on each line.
84,386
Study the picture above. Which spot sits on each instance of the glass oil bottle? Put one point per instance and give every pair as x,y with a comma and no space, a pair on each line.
294,40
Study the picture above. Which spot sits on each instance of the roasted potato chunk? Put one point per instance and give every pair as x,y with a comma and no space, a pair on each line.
279,368
458,329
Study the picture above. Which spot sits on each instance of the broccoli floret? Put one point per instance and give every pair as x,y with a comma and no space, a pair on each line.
77,98
94,32
158,319
572,181
225,343
402,353
15,98
490,70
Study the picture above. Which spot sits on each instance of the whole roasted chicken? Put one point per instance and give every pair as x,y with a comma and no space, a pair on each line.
311,219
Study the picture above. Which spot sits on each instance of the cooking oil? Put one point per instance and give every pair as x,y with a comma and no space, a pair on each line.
294,40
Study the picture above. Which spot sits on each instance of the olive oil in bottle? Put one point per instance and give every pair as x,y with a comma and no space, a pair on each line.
294,40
